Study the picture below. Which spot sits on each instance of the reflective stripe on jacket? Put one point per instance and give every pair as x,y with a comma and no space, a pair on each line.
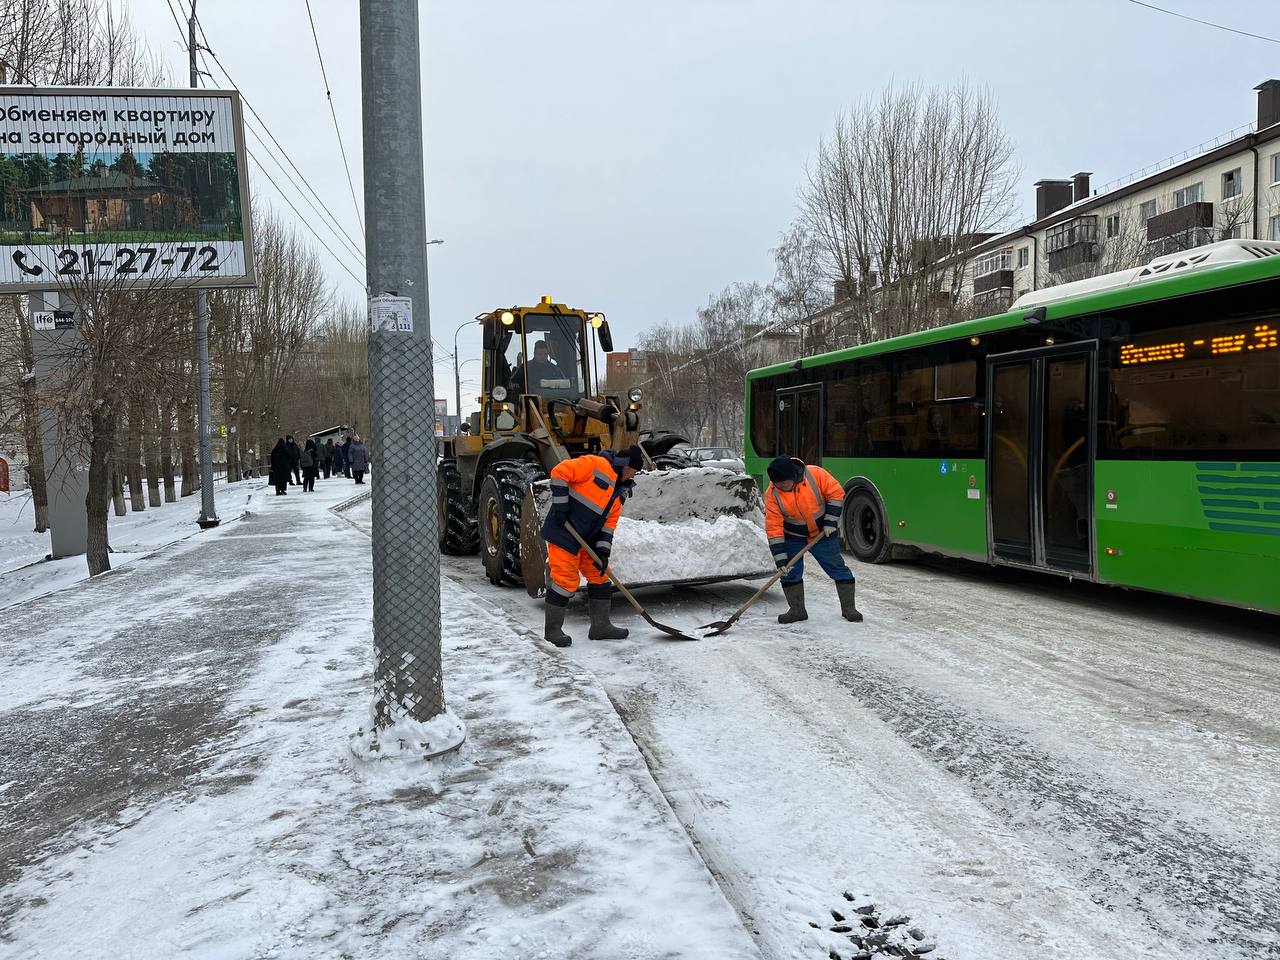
588,486
815,503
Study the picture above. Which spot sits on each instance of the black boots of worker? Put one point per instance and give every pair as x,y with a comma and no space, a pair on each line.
553,632
794,592
601,626
847,609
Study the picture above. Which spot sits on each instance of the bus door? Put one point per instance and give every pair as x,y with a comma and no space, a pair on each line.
800,422
1040,438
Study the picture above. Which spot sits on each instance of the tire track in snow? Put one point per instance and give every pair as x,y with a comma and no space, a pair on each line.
1183,879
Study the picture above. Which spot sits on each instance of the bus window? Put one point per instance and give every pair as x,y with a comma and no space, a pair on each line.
843,423
763,417
1205,387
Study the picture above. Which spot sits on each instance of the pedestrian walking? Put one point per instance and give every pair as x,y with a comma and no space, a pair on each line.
295,458
310,463
586,492
357,458
280,467
346,456
246,465
804,503
340,459
326,457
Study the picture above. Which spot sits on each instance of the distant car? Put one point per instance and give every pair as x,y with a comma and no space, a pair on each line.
722,457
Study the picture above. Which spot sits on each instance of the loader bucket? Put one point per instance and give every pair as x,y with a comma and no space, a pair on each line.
680,527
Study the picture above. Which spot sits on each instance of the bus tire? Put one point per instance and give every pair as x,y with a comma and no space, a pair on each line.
865,532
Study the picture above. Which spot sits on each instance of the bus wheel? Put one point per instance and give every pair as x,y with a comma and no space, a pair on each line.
864,530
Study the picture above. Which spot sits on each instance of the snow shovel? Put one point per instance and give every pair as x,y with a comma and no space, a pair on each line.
669,631
720,626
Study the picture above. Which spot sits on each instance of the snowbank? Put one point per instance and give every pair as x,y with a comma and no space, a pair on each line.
647,551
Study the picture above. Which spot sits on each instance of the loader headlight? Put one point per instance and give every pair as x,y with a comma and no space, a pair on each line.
499,393
634,394
597,320
507,318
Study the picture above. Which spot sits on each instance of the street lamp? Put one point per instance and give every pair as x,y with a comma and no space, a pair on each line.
457,384
430,243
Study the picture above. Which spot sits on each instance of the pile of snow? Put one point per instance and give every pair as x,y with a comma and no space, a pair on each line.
440,734
646,551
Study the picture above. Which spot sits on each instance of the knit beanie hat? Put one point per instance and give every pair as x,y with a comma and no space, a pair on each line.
632,457
781,469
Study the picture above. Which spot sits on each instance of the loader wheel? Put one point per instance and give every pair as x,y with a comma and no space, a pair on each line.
459,536
501,496
864,529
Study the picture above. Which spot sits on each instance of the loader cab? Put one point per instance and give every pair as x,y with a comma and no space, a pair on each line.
543,351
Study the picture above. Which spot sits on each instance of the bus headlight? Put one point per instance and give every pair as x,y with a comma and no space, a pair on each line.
634,394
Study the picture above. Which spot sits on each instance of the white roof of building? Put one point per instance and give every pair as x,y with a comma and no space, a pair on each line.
1184,261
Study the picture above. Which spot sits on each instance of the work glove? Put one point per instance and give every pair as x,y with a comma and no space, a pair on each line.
602,553
625,489
829,529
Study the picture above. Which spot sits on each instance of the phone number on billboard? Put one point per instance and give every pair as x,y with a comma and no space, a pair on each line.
136,260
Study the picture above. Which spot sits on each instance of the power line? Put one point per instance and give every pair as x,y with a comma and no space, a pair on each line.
1206,23
333,113
331,223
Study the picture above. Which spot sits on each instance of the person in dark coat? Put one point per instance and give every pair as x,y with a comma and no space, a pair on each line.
326,457
310,463
295,458
280,467
358,457
340,459
346,457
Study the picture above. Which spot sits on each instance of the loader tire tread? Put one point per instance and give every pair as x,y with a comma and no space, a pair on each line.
459,532
513,478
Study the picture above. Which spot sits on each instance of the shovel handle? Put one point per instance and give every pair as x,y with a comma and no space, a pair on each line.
772,580
606,571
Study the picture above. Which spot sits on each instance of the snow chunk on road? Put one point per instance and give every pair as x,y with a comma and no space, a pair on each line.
646,551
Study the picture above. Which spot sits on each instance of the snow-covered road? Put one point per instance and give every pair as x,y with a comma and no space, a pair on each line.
1024,765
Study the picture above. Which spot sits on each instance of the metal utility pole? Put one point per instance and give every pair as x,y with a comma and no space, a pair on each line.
408,682
208,511
457,384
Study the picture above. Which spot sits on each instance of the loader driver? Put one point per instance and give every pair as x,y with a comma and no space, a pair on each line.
586,493
804,503
540,368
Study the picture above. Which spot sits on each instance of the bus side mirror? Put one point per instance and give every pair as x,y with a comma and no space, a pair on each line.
606,338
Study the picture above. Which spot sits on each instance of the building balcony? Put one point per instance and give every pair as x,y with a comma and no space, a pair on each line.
992,301
1180,220
992,281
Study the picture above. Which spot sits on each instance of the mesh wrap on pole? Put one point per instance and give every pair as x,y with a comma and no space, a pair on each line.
406,559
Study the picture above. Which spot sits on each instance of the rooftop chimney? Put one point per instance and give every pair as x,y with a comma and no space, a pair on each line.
1052,196
1268,103
1080,187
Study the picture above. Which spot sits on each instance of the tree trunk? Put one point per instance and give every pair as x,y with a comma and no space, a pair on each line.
117,488
151,432
166,453
186,440
133,457
103,425
31,433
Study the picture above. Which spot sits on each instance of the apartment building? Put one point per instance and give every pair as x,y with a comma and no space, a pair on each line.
1231,189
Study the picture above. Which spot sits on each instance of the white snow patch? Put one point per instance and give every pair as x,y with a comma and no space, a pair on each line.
408,737
646,551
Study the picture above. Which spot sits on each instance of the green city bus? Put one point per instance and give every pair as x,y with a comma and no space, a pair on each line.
1123,429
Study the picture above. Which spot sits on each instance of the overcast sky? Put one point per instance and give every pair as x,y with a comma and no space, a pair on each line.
634,158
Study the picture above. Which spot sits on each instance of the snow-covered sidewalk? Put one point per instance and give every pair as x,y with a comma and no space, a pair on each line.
175,778
25,574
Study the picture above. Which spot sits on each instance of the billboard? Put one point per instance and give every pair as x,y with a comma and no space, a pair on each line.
442,414
143,187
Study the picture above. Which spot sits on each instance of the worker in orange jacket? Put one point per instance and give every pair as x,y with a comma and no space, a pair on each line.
804,503
586,492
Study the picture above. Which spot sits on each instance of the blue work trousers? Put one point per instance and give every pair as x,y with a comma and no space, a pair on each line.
827,552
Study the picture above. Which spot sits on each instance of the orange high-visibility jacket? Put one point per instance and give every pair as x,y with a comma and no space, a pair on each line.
814,504
586,485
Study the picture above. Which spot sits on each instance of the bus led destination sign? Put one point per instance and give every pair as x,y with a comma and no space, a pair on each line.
1263,336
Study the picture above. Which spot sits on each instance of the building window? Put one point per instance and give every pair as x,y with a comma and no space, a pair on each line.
1232,184
1275,169
1148,210
1113,225
1188,195
1234,233
1275,228
1024,257
994,262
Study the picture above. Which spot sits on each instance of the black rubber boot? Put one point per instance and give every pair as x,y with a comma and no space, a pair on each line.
845,592
554,633
794,592
601,626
